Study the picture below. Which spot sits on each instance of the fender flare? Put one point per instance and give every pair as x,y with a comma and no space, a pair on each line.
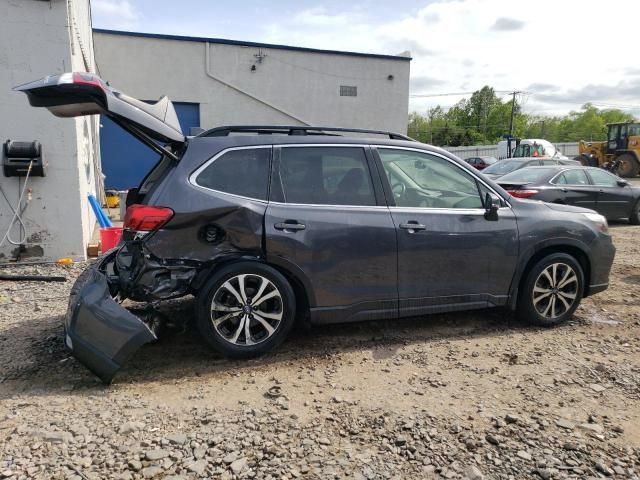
283,265
532,251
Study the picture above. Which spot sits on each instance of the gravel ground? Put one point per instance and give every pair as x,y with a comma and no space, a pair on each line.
467,395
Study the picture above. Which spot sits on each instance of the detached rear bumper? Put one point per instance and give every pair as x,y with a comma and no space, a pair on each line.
101,333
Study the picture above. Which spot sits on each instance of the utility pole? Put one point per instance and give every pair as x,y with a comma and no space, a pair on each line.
431,125
513,111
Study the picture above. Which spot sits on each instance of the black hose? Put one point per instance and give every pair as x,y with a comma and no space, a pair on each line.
32,278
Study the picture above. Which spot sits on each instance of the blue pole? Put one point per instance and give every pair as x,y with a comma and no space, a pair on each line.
103,220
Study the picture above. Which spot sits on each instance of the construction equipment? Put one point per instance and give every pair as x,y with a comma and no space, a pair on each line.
622,147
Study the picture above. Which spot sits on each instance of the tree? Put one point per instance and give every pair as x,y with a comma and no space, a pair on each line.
484,119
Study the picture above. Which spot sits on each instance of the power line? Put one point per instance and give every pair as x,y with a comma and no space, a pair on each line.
451,94
510,93
462,126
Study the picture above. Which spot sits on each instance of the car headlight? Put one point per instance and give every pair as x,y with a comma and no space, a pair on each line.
599,220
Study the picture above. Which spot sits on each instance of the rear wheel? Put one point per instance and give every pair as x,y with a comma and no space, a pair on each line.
628,165
245,309
552,290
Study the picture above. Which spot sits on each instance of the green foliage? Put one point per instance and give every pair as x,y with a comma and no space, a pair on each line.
484,119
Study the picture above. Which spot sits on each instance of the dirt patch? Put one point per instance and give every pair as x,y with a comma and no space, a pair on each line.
459,395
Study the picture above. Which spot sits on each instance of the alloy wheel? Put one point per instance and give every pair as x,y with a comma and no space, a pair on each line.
555,290
246,309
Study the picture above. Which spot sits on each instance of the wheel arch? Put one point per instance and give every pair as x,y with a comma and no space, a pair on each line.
299,282
572,248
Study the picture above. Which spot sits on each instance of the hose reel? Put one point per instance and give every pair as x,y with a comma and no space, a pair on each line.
17,156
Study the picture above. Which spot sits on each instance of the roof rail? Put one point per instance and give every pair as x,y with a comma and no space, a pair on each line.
296,130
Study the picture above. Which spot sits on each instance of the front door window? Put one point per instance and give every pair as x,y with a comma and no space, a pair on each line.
423,181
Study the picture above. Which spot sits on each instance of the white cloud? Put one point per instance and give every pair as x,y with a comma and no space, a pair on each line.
465,44
120,14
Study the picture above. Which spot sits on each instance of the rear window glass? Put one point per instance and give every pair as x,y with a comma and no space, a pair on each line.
154,175
326,176
527,175
242,172
572,177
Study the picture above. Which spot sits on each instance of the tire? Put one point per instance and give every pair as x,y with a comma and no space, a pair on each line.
634,218
587,160
628,166
224,327
533,305
584,160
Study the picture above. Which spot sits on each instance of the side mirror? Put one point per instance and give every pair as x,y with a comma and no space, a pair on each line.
623,183
491,206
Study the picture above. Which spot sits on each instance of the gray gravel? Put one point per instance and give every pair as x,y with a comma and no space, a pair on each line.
463,396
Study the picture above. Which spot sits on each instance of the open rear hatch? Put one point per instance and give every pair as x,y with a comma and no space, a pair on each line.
102,333
77,94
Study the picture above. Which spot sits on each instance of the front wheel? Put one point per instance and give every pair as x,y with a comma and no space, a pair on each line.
634,218
245,310
552,290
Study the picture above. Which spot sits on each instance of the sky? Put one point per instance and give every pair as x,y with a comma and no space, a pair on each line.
559,53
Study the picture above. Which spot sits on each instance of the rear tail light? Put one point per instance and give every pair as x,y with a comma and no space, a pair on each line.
81,78
522,193
146,218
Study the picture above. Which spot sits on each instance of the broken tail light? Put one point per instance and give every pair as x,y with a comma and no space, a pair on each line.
146,218
82,78
522,193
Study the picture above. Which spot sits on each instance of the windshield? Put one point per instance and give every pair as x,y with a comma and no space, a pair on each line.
527,150
503,166
527,175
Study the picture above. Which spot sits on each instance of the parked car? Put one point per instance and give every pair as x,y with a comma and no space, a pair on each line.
309,223
480,163
586,187
509,165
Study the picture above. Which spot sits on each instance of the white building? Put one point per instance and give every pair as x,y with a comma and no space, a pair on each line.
37,39
216,82
213,82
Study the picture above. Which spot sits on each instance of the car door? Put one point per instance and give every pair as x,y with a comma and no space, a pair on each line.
449,255
613,201
327,220
574,188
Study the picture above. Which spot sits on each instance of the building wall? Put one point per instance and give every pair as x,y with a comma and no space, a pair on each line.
287,87
40,38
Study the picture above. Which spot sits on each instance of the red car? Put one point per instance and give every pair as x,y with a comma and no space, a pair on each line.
480,163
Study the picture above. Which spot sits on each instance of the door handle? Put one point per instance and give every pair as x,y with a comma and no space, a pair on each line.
412,226
565,190
290,225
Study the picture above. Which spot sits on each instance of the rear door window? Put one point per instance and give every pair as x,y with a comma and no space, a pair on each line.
326,176
243,172
572,177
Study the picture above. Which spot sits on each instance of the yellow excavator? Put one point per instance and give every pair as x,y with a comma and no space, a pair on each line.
620,153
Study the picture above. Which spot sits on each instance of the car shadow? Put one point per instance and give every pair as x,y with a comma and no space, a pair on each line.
38,362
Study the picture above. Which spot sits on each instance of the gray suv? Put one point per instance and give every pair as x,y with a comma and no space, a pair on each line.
269,225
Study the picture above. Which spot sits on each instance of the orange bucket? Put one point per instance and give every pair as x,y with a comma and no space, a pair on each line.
110,237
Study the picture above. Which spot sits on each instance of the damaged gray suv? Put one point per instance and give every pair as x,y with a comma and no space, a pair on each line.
269,225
